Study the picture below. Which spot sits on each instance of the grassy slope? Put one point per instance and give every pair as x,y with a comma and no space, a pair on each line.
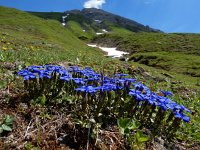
49,15
177,54
37,41
148,42
29,38
77,23
77,30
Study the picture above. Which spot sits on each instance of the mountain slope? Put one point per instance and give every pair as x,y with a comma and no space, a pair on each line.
105,20
178,53
158,50
49,15
145,47
29,38
91,21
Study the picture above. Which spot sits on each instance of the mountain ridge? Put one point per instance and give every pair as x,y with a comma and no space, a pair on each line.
101,16
97,19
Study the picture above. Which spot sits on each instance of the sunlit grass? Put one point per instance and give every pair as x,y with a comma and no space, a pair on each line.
34,41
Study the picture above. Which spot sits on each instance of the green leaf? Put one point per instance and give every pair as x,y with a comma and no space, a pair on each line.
140,137
92,120
138,134
2,84
126,131
43,100
132,125
123,122
2,57
143,139
8,120
122,131
6,128
1,129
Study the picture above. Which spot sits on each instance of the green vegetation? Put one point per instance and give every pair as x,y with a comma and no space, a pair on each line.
28,38
170,61
137,139
85,34
77,22
6,125
153,42
49,15
160,61
176,53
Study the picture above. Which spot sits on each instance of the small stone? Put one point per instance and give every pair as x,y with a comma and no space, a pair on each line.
122,59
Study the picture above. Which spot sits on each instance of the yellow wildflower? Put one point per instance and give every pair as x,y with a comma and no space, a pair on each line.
133,67
4,48
32,47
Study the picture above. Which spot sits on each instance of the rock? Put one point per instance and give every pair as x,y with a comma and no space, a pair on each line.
174,146
23,106
158,144
66,64
159,79
8,66
160,140
12,66
195,146
122,59
101,145
132,59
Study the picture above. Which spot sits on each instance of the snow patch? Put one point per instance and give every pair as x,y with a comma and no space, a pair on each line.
104,30
63,19
98,21
111,51
92,45
98,33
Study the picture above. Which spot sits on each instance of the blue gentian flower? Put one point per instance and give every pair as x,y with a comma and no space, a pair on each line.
26,78
139,86
166,93
118,82
162,106
185,118
87,89
65,78
78,81
182,116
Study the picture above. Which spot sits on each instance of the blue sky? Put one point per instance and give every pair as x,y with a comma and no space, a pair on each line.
166,15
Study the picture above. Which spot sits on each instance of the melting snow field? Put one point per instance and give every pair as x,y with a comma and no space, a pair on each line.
104,30
98,33
111,51
63,19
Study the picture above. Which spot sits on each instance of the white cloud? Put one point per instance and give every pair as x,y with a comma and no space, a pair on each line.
94,4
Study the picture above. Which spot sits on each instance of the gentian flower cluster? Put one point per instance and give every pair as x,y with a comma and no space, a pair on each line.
157,109
118,94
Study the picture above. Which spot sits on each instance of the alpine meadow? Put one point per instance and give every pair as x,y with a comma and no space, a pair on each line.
60,90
